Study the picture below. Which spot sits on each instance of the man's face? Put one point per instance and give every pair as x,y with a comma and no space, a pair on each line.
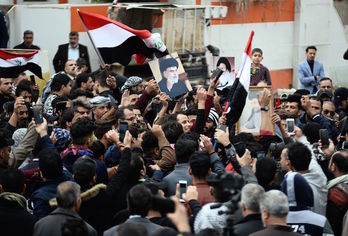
89,84
22,114
292,109
138,115
283,124
6,86
129,117
28,39
209,126
26,96
326,85
99,111
316,106
184,121
328,110
74,40
171,73
284,159
5,155
66,89
311,54
82,112
133,99
70,68
256,58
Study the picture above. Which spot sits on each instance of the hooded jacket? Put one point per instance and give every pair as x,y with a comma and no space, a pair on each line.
14,217
300,198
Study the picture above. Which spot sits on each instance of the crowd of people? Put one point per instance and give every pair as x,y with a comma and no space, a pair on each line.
116,156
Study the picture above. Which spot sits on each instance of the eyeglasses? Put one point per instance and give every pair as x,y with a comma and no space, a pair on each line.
326,112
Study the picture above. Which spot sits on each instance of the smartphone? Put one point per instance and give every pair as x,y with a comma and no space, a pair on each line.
216,74
240,148
324,137
37,112
290,125
50,129
123,129
222,127
276,102
182,186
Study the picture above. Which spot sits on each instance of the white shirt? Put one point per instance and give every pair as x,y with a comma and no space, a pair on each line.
73,53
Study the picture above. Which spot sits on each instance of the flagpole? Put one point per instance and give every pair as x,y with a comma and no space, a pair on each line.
95,48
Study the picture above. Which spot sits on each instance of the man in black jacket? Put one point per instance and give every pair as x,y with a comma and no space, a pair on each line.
14,217
250,197
28,38
72,50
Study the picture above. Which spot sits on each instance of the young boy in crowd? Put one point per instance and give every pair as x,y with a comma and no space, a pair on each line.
259,73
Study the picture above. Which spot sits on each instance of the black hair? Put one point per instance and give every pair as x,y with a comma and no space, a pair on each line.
59,80
102,127
50,163
74,33
324,79
81,78
136,166
172,130
311,47
192,111
225,61
208,232
77,93
24,85
119,114
295,98
184,148
59,103
67,116
139,200
149,142
200,164
316,98
266,169
27,32
81,62
299,156
81,131
12,180
101,78
257,50
80,103
340,159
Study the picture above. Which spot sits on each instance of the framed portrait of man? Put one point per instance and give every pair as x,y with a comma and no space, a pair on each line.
250,120
170,76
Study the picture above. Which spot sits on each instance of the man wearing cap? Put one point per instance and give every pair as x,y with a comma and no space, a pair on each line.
170,83
310,71
100,106
212,123
325,95
134,85
5,148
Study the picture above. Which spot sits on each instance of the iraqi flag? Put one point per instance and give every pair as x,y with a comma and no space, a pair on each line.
13,63
117,42
239,91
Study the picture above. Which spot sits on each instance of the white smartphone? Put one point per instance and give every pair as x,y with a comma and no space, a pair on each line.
183,187
290,125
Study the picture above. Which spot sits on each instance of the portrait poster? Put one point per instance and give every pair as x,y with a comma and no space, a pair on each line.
226,64
250,120
170,75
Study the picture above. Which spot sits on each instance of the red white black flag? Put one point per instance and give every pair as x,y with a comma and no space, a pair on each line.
13,63
117,42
